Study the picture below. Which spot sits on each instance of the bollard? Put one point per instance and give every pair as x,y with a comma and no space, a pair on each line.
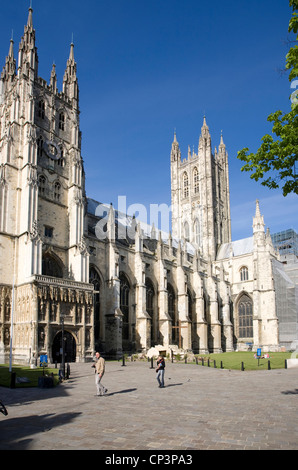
152,366
269,366
242,365
123,361
185,360
196,360
286,364
68,371
214,364
13,380
221,366
202,361
208,362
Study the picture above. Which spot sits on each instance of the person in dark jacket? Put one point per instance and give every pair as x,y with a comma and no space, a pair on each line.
161,371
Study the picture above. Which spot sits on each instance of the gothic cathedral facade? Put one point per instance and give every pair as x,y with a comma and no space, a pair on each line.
62,269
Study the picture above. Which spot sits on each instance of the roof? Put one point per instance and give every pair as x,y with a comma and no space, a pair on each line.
100,210
237,248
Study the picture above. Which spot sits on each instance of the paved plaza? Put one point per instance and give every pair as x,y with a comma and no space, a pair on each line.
200,408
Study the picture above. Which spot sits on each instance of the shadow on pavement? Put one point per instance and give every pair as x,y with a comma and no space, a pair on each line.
14,432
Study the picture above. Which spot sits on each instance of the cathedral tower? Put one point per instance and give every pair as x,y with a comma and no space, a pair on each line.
200,195
42,190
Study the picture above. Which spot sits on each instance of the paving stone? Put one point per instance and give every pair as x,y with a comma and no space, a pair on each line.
200,408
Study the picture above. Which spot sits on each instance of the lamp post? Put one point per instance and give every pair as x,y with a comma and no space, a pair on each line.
63,350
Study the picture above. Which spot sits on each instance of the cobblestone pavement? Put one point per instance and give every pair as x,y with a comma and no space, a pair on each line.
200,408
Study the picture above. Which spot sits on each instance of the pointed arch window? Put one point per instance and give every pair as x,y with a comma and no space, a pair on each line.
7,309
95,280
51,267
61,121
197,232
245,317
61,161
196,181
57,191
186,231
244,273
42,185
41,109
172,313
150,305
124,305
39,146
185,185
190,305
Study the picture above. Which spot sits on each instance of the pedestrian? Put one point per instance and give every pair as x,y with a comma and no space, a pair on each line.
160,371
99,372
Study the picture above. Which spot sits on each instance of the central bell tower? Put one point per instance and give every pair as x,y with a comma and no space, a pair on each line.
200,195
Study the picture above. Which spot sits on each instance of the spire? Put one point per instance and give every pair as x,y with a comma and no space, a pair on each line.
205,124
221,139
205,137
30,20
53,80
258,221
70,82
258,212
222,147
10,52
175,152
29,32
9,70
28,60
71,53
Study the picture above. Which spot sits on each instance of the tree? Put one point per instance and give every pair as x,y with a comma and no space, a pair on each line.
280,157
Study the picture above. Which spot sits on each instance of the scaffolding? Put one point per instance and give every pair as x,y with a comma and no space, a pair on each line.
286,296
286,242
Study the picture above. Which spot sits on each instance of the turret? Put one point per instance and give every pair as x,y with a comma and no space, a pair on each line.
70,81
53,79
205,138
9,70
28,59
175,152
258,226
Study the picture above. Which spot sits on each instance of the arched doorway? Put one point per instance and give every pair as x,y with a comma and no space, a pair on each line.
70,347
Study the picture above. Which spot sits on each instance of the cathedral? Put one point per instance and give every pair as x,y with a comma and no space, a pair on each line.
76,271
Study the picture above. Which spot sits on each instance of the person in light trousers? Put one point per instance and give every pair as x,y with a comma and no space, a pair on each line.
160,371
99,372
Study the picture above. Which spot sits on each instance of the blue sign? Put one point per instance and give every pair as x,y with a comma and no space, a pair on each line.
259,352
43,359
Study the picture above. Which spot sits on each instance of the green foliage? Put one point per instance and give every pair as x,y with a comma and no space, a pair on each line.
278,157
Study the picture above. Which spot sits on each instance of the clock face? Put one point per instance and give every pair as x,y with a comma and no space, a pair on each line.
52,150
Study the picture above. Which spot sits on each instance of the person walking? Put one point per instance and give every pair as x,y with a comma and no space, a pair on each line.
160,371
99,372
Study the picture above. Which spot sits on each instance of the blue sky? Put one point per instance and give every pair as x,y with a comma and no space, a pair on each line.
146,68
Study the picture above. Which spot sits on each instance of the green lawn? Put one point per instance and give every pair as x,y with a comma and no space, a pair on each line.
233,360
31,374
